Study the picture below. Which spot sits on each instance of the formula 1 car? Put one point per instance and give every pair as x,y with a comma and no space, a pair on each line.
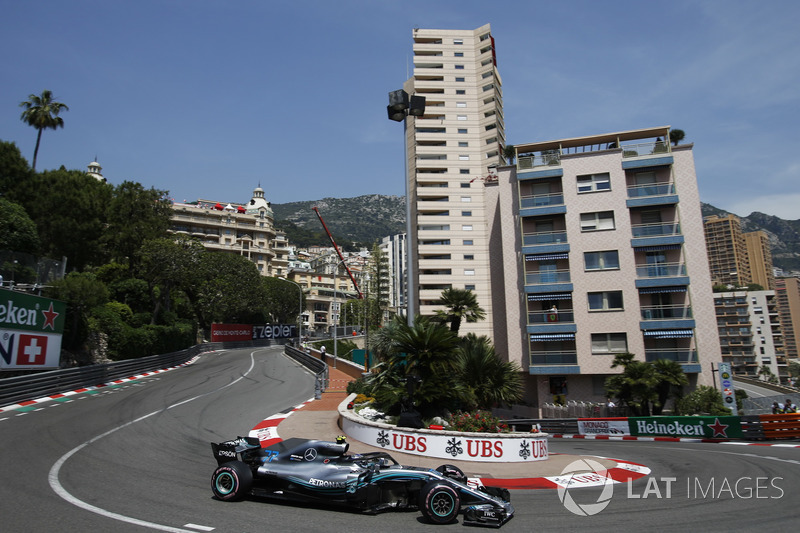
323,472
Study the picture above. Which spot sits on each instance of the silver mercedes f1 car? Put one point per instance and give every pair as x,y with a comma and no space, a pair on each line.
324,472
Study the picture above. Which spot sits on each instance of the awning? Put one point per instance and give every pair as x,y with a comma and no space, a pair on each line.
550,296
553,337
669,333
661,290
658,248
546,257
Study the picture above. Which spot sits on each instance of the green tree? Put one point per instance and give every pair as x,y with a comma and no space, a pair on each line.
461,304
510,153
676,136
166,264
82,292
282,300
702,400
491,381
635,386
41,112
17,230
69,209
671,380
135,215
13,167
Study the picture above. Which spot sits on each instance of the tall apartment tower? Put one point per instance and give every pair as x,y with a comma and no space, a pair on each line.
450,151
759,255
787,291
727,252
597,248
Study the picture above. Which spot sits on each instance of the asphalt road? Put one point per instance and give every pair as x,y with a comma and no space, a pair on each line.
136,457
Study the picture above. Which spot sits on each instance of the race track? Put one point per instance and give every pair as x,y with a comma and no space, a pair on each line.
136,457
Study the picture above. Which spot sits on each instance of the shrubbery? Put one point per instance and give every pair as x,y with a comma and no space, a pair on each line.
477,422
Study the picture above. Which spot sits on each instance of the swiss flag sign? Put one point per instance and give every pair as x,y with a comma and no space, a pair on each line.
32,349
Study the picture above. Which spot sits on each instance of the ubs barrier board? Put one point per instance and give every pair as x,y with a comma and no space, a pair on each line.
30,331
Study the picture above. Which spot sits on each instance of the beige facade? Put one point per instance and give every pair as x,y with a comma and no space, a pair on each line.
727,252
451,150
759,255
243,229
325,295
597,248
787,291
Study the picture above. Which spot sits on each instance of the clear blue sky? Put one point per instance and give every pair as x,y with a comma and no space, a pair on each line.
209,99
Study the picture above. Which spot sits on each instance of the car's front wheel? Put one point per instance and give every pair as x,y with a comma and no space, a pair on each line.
232,481
439,502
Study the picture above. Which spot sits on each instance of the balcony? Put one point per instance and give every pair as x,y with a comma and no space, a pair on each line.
666,312
549,317
652,194
656,230
548,281
661,274
554,362
542,204
544,237
648,154
684,356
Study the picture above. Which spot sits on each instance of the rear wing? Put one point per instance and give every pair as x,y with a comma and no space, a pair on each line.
231,450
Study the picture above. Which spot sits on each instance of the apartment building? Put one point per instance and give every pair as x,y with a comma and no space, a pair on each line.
750,332
727,252
597,248
245,229
393,248
787,291
759,255
325,295
450,150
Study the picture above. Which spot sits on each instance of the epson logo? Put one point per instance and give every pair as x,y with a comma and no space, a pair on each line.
226,453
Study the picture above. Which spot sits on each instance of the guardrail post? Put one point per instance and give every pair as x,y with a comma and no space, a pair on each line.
318,388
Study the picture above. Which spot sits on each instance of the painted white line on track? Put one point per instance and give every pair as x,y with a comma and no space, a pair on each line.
59,489
199,528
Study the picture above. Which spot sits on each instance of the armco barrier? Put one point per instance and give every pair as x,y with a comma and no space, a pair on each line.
21,388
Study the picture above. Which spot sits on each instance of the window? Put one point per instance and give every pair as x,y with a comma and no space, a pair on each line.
467,227
466,184
608,260
459,54
594,182
459,79
463,144
466,199
469,272
464,171
605,301
462,117
469,257
463,157
467,242
459,67
606,343
462,130
466,213
461,91
602,220
469,287
458,41
461,104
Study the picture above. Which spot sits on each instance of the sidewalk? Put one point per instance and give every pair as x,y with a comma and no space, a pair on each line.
318,419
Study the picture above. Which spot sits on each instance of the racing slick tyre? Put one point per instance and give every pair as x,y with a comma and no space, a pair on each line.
453,472
439,502
232,481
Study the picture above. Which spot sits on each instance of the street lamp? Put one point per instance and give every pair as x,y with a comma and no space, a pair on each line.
399,108
300,316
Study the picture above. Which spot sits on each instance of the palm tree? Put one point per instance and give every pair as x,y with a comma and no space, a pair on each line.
461,305
676,136
42,112
510,153
491,381
670,376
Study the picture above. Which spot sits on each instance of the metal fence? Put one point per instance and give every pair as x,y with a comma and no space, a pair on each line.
20,388
763,404
574,409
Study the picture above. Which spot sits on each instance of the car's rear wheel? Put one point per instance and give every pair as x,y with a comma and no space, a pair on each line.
232,481
439,502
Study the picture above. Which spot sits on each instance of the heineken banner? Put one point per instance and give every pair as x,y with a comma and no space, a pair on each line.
704,427
30,331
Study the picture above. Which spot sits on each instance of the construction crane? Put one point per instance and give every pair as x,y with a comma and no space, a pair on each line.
339,253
